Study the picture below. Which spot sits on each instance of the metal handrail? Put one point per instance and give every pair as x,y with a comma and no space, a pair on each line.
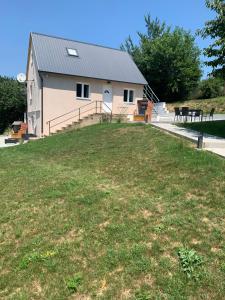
149,93
95,107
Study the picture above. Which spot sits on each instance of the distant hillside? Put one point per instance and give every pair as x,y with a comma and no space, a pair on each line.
205,104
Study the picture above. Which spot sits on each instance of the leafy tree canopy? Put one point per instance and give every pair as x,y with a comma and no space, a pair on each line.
12,101
216,30
169,59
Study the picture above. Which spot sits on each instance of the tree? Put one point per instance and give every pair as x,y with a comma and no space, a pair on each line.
216,30
168,59
12,101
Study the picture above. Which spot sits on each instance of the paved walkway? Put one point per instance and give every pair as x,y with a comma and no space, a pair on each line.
211,143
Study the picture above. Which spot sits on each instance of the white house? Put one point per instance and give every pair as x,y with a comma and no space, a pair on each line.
67,80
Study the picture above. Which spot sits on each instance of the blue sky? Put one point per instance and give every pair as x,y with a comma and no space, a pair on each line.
106,22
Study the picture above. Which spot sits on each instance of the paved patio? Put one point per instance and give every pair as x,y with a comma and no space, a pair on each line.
169,118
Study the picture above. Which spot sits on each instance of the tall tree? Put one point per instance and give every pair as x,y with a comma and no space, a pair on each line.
12,101
168,59
216,30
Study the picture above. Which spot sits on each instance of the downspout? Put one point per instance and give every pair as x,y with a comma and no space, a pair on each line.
42,125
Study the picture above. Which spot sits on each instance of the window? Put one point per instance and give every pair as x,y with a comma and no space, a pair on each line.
72,52
128,96
83,90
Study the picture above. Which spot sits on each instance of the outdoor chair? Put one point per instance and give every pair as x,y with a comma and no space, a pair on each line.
177,113
210,115
198,114
184,112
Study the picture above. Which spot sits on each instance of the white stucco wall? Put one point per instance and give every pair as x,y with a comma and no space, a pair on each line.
33,96
59,97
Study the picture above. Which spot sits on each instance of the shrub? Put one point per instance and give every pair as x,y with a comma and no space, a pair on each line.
211,88
12,101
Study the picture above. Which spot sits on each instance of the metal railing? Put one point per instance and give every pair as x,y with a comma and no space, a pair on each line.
93,107
149,94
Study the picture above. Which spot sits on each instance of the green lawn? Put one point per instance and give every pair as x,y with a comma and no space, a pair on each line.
205,104
111,212
211,127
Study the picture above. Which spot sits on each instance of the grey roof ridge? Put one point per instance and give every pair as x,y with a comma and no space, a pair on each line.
71,40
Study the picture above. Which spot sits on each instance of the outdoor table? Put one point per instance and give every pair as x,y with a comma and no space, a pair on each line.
192,112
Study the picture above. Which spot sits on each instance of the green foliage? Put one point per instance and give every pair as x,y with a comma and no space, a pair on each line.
215,30
210,127
169,59
211,88
12,101
142,294
74,282
36,257
190,261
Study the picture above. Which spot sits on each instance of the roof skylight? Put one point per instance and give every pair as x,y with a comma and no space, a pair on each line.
72,52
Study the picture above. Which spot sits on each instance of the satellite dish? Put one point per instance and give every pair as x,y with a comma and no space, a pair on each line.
21,77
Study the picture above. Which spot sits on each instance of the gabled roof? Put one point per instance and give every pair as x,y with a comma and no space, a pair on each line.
93,61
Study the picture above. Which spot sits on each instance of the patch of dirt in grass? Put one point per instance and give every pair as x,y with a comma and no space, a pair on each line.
175,244
160,208
79,297
103,225
103,287
146,213
147,280
171,258
70,236
117,270
153,236
205,220
125,294
124,130
195,242
215,249
36,288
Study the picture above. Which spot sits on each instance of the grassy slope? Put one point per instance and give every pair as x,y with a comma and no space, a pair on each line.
113,203
205,104
215,128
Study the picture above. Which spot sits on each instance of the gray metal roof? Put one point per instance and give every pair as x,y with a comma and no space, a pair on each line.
93,61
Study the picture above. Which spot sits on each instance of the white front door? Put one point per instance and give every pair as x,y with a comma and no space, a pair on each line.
107,98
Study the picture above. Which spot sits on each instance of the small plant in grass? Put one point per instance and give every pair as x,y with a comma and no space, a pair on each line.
159,228
36,257
223,267
190,261
142,295
74,282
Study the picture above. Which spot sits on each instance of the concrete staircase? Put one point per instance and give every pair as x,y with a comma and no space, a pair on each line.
160,112
91,119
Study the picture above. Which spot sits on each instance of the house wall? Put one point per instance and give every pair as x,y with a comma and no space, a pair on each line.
33,96
59,97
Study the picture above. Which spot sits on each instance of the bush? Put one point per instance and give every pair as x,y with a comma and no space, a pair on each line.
12,101
211,88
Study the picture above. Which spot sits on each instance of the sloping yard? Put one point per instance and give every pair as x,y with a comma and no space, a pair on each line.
111,212
205,104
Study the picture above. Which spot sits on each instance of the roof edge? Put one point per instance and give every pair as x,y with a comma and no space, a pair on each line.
72,75
71,40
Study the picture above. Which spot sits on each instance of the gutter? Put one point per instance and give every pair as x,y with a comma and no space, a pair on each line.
42,127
